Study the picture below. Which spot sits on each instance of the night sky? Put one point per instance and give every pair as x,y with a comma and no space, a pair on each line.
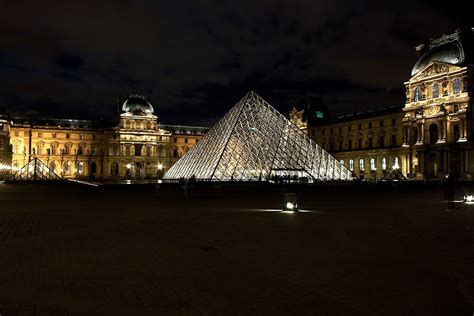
195,59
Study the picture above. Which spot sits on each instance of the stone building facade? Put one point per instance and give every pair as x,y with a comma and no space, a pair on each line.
430,136
134,146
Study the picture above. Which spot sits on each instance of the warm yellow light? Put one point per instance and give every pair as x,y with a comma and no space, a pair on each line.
160,166
129,166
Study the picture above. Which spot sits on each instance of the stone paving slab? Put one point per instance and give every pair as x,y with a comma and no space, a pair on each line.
73,250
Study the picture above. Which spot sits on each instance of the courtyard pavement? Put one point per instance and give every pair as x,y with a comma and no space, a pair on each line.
72,249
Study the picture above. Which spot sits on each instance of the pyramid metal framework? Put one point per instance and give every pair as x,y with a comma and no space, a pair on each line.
252,142
35,170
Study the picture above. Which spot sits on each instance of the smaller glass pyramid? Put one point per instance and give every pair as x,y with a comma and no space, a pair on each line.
253,142
35,170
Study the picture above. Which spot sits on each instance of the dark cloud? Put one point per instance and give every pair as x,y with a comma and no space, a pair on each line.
67,61
195,59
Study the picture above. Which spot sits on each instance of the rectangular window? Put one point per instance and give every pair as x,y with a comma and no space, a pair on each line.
381,123
350,128
186,140
394,121
360,127
340,145
360,143
68,135
81,136
53,135
370,124
40,135
351,165
17,133
175,152
394,140
94,137
350,145
381,141
175,140
370,142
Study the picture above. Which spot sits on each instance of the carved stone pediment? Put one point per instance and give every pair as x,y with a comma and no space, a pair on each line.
432,69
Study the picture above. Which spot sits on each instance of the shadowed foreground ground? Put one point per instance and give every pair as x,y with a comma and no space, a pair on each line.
79,250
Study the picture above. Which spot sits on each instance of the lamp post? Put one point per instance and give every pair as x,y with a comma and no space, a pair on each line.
76,165
61,167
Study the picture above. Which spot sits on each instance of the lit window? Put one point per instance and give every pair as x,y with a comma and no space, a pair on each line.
372,164
40,135
53,135
68,135
351,164
81,136
66,167
80,167
396,164
361,164
435,90
456,85
384,163
341,162
416,94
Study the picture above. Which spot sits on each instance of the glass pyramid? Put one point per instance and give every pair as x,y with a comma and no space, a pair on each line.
35,170
253,142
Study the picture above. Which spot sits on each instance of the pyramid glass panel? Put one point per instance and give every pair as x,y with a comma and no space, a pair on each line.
35,170
253,141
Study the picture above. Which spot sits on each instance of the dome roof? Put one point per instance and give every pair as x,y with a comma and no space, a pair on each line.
138,105
450,53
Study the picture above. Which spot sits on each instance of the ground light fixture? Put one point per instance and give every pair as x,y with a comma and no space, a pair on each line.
468,198
290,202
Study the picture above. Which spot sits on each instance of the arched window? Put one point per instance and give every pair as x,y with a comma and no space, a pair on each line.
416,94
456,85
396,163
372,164
114,169
361,164
351,164
67,167
341,162
80,167
433,133
435,90
384,163
52,166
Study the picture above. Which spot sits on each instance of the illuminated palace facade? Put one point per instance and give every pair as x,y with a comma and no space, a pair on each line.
429,137
134,146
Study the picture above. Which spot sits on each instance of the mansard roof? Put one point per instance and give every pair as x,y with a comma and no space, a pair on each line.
455,49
